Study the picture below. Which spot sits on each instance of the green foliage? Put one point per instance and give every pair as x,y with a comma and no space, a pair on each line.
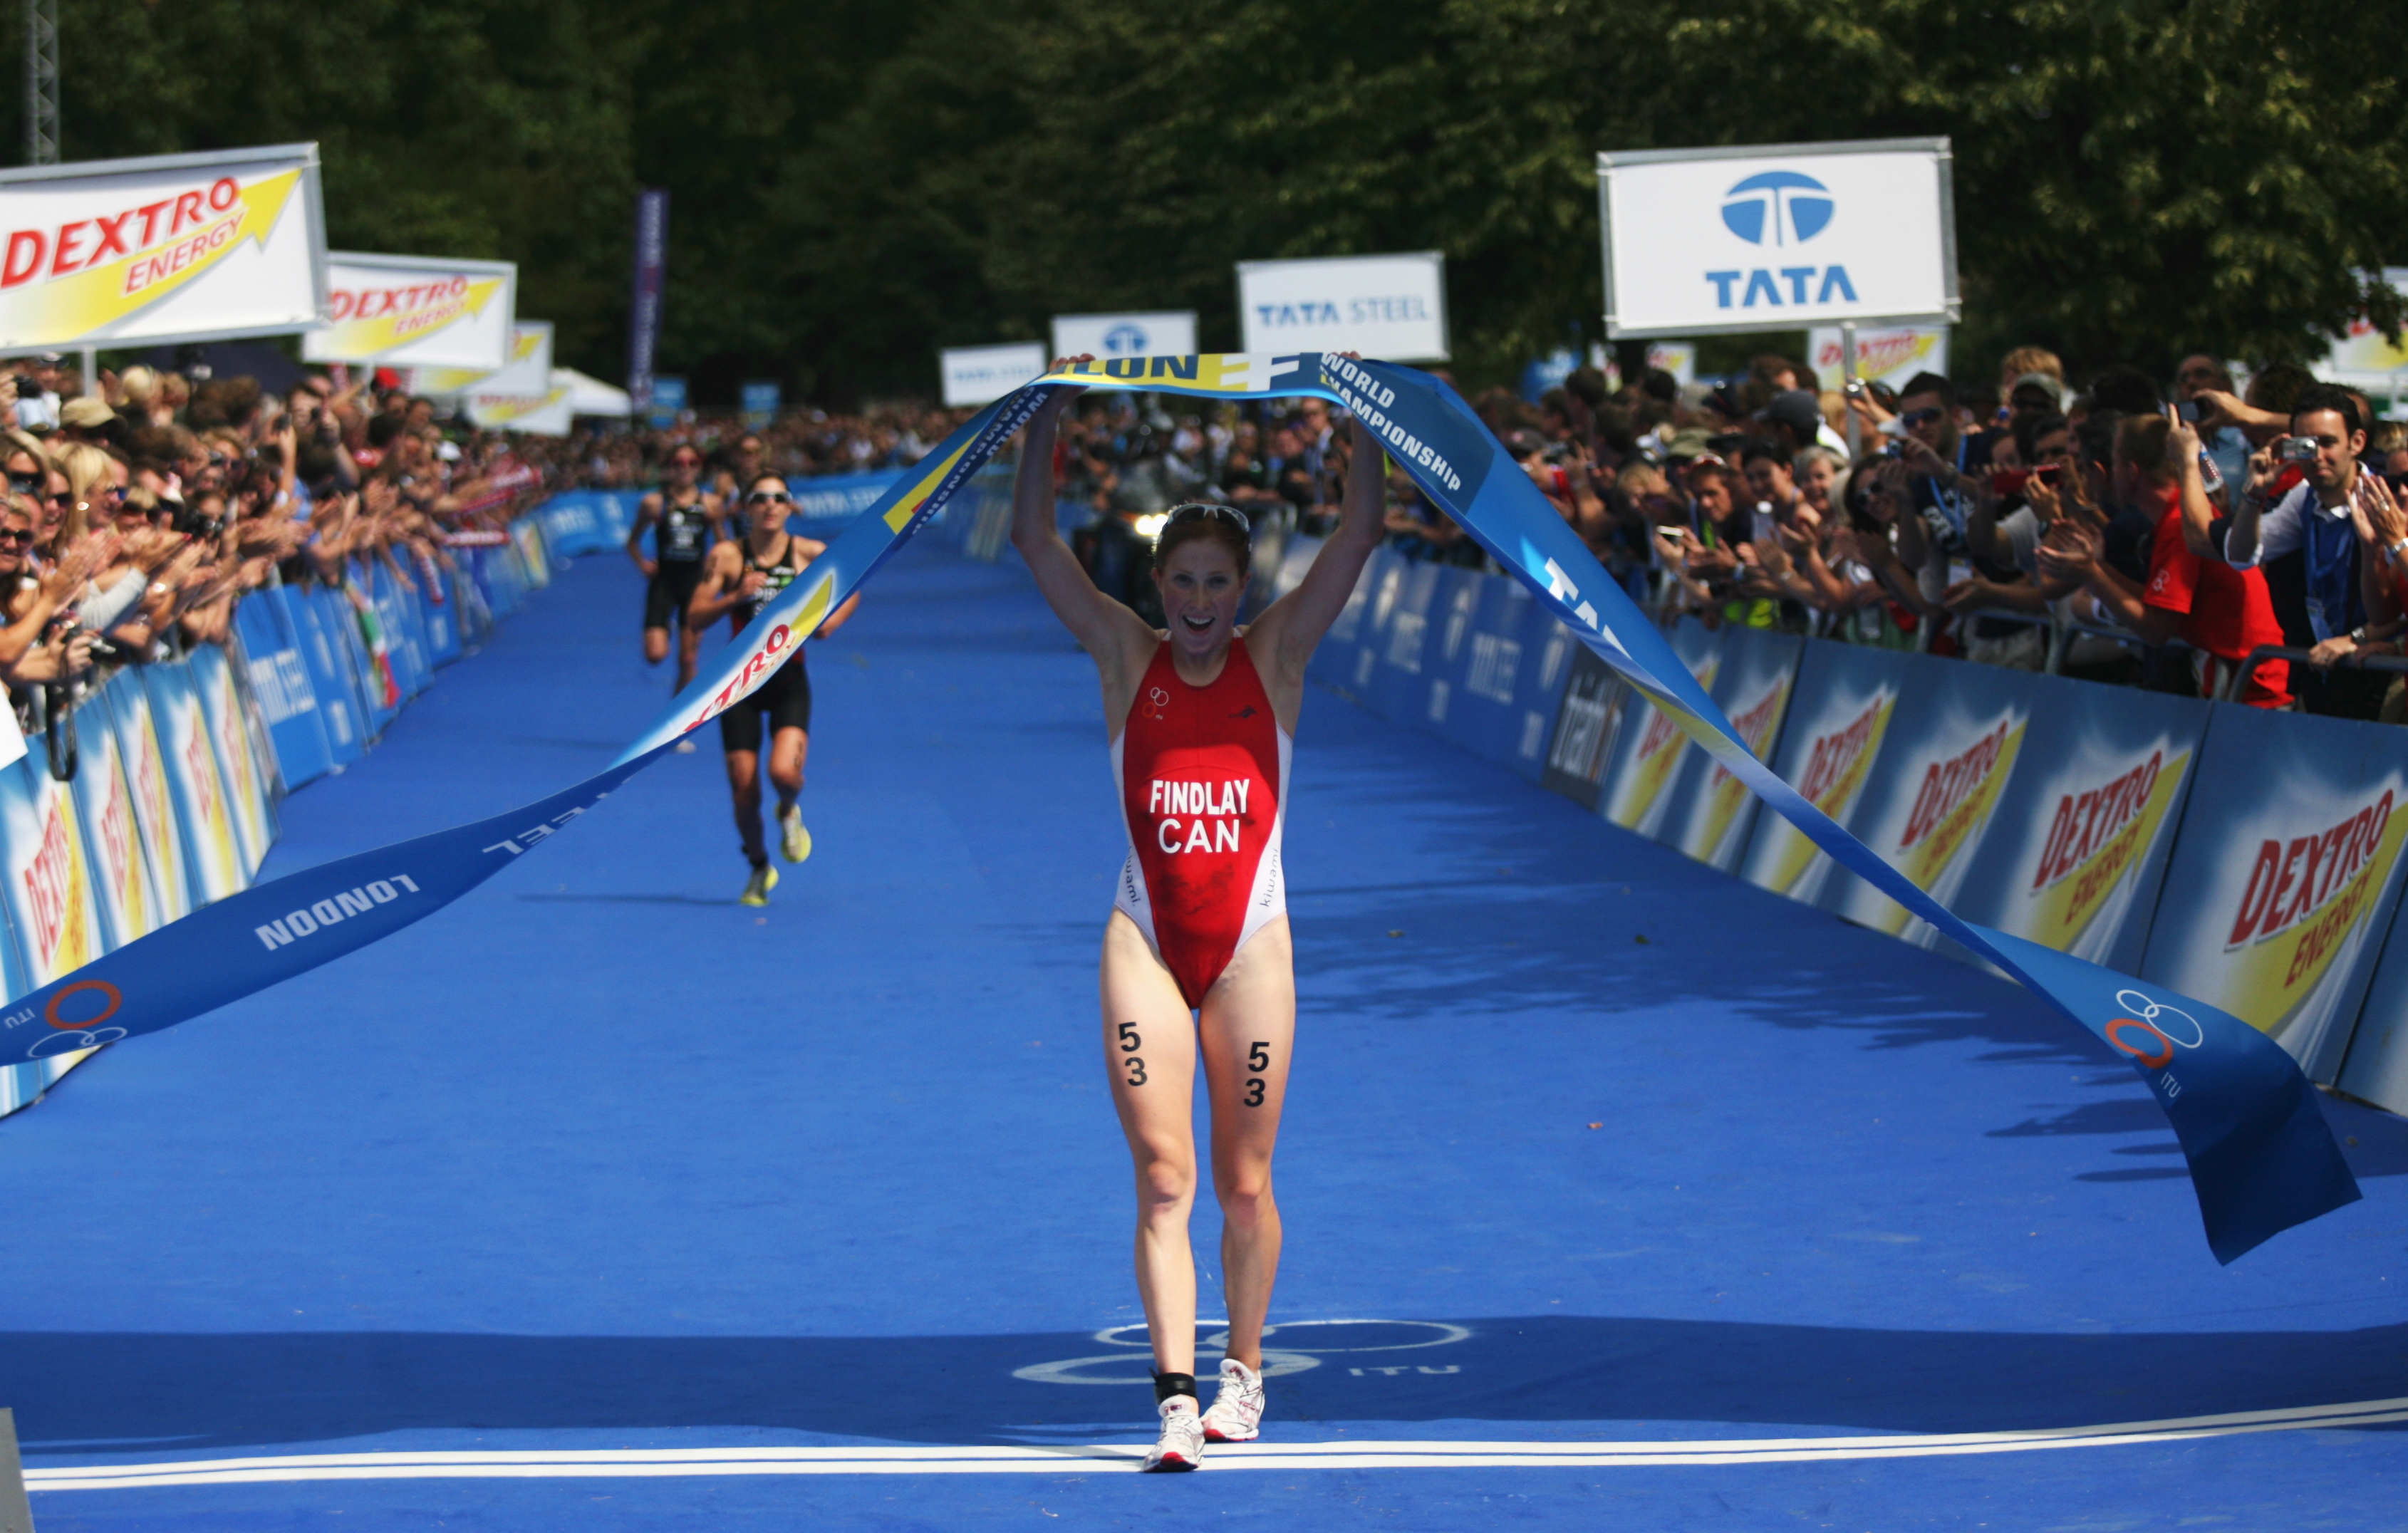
854,184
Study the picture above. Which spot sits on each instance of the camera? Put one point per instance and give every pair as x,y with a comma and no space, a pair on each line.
2297,450
2188,411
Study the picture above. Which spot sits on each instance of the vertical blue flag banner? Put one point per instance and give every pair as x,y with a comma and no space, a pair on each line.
2261,1157
644,295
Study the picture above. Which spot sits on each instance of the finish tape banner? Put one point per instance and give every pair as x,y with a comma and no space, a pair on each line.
2261,1158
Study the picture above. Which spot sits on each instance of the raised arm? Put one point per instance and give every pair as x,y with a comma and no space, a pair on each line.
1293,625
1104,627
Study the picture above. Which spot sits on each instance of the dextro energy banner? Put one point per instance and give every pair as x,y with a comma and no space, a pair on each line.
2277,919
1713,810
2078,843
1647,756
1838,722
182,246
1948,753
2260,1155
416,311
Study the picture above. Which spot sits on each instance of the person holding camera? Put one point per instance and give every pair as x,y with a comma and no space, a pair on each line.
2322,516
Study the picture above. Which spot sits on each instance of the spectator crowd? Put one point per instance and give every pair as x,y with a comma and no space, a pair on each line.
143,505
2149,531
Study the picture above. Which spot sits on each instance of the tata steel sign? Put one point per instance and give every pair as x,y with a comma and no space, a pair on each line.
1778,237
176,248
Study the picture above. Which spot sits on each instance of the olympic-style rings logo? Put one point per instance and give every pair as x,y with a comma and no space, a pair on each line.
2145,1036
86,1033
1154,702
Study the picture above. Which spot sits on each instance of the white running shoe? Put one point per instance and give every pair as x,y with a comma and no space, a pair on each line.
793,839
1182,1436
1236,1413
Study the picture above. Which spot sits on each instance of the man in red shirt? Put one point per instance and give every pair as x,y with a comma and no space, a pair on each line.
2221,612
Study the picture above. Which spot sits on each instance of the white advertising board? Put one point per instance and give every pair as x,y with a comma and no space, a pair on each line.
1168,333
2366,358
981,375
416,311
522,396
1887,355
1780,236
1388,307
175,247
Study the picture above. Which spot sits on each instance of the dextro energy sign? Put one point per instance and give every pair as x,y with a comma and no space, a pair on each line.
1757,679
178,247
1637,800
1935,807
2097,840
416,311
2278,916
1839,719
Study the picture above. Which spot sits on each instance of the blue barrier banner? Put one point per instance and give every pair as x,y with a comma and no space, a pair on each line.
1953,745
213,856
2261,1157
281,681
2077,848
122,890
1838,722
1507,664
249,808
45,877
330,674
1712,811
154,806
1588,723
439,616
2278,916
836,497
1655,742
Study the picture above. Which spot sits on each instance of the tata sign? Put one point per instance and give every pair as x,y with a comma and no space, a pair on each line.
981,375
1780,236
1126,335
1389,306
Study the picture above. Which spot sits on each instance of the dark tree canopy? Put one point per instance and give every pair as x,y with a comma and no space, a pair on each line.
854,184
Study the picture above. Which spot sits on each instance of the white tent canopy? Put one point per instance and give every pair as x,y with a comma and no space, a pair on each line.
590,395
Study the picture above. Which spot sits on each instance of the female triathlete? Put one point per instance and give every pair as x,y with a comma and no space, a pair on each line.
1200,719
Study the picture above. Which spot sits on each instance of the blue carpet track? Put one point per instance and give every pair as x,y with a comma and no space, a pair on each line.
1758,1176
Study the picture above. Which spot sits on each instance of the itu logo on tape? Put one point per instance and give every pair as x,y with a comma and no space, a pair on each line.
1783,206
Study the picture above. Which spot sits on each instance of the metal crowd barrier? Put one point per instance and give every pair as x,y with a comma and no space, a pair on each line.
2394,663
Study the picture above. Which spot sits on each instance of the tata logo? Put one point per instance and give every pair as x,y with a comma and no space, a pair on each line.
1781,208
1780,205
1125,339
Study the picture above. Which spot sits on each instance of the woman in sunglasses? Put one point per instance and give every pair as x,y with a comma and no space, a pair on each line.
1196,950
688,525
738,580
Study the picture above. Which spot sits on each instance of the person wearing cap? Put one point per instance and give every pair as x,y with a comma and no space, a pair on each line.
86,419
1795,418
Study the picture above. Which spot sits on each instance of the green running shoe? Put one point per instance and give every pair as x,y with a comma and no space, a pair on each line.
794,840
756,888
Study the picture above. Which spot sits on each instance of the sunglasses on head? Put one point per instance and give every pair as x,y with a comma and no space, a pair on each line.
768,497
1919,416
1195,509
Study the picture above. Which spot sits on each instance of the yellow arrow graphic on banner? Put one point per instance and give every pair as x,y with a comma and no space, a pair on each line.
68,309
364,340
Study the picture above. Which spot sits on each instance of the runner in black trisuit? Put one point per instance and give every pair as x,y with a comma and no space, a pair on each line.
689,523
738,580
